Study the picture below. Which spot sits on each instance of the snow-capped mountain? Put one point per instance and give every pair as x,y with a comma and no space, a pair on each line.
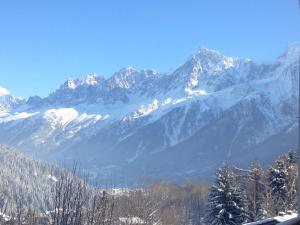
145,123
7,101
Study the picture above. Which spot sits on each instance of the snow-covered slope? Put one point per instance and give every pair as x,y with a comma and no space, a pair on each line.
146,123
25,178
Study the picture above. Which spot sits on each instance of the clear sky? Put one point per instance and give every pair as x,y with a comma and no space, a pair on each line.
42,43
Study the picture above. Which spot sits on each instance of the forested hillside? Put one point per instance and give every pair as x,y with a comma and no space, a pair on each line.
25,179
37,193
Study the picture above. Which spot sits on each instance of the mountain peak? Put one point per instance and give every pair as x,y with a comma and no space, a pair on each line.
4,91
206,59
91,79
127,70
204,52
291,53
71,83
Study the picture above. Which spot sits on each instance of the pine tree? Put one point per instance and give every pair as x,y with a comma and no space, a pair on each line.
226,203
292,157
256,192
278,177
292,170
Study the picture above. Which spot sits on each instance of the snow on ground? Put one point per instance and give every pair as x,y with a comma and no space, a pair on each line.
4,217
278,219
286,217
65,116
52,178
7,117
131,220
61,116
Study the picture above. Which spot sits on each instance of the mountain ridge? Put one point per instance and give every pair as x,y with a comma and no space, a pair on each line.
136,118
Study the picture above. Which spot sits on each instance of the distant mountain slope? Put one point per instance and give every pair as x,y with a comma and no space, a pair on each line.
145,123
24,178
7,101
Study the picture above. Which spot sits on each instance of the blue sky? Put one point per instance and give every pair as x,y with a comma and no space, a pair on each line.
42,43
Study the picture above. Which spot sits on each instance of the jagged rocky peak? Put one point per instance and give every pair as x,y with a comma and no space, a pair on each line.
210,97
128,76
91,79
127,70
71,83
291,54
213,60
208,62
130,71
207,52
200,69
150,72
34,100
8,101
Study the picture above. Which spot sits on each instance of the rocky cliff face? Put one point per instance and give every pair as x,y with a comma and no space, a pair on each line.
145,123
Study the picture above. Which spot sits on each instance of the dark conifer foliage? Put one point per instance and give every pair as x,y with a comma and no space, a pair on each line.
256,192
226,202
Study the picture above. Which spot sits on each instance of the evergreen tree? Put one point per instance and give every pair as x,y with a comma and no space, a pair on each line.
292,170
292,157
256,192
226,203
278,177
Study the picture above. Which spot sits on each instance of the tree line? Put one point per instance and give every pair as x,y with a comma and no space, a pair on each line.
236,196
239,196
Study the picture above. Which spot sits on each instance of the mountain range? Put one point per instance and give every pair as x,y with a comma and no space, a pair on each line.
143,124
